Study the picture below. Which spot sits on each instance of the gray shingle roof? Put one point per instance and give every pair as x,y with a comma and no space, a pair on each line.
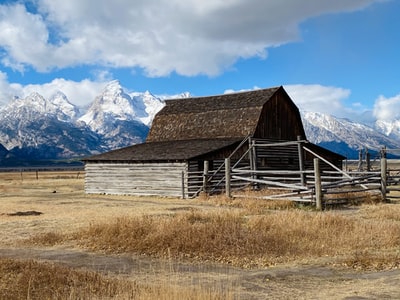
224,116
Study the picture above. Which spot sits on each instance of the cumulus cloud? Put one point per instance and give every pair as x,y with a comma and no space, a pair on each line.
189,37
7,90
319,98
333,101
387,109
79,93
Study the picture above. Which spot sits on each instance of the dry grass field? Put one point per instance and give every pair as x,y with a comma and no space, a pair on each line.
59,243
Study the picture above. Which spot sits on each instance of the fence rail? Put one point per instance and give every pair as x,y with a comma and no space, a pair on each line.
329,185
334,186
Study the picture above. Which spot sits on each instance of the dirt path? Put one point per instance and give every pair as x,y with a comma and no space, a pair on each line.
284,282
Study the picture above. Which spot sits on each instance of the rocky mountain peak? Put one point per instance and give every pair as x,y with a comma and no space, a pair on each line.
64,110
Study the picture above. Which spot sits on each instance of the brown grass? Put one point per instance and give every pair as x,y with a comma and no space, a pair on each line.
241,239
249,203
38,280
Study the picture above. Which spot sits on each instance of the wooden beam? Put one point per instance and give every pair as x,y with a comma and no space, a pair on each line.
383,178
205,175
301,160
228,177
318,191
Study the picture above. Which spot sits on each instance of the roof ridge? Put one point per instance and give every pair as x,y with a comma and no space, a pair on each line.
224,94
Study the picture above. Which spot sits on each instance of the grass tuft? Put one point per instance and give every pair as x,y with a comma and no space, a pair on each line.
240,239
38,280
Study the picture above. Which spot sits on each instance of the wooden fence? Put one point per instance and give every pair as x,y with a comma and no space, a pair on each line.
318,187
322,188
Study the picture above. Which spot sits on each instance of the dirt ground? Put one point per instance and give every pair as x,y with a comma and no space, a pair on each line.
64,207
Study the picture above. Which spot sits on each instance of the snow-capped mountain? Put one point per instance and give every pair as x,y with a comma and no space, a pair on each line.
112,103
147,105
57,106
37,127
121,119
64,109
344,136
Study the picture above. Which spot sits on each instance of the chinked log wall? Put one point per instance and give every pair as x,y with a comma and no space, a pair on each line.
142,179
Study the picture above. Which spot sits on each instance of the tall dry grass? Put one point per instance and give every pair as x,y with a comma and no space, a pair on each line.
37,280
246,240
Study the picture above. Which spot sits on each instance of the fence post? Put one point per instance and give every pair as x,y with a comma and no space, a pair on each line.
318,190
368,159
205,175
383,178
183,184
228,177
360,160
301,161
253,160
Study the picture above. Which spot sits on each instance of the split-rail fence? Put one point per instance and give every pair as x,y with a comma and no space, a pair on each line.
320,187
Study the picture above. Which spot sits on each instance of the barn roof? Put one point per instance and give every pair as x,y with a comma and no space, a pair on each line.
165,151
214,117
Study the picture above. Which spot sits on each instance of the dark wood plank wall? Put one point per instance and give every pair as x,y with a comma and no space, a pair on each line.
280,119
287,158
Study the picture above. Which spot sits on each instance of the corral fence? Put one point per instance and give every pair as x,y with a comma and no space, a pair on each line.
213,180
39,172
320,186
393,174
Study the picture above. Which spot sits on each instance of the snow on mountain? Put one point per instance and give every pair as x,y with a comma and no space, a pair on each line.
342,135
117,117
65,110
35,104
36,127
111,104
389,128
146,105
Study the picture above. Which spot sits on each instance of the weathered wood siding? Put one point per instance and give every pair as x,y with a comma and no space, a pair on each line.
280,119
142,179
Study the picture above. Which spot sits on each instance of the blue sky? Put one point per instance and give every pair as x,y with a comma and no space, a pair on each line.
339,57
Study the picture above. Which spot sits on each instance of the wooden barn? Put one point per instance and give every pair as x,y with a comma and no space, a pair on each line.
191,138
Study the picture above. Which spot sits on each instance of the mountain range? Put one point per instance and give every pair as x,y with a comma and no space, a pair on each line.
36,129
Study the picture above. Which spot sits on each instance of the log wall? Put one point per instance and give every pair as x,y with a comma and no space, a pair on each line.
142,179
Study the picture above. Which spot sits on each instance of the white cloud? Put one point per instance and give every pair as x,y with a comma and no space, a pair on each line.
189,37
231,91
23,37
387,109
7,90
324,99
79,93
318,98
